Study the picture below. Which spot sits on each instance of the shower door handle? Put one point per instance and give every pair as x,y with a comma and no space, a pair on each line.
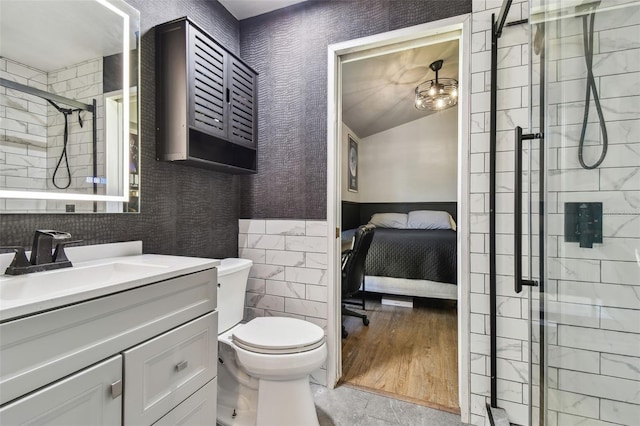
517,192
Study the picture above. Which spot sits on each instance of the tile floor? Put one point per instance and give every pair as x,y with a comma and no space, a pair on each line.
345,406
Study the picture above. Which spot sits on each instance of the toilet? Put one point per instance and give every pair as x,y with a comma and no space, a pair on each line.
263,365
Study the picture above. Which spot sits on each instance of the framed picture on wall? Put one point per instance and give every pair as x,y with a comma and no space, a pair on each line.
352,165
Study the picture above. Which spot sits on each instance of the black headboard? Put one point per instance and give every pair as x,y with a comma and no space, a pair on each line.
356,214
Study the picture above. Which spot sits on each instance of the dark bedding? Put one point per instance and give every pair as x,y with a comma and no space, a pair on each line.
424,254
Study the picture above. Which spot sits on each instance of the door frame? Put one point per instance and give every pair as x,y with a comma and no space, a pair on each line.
361,48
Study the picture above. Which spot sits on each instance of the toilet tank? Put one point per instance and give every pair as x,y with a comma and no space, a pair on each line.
232,285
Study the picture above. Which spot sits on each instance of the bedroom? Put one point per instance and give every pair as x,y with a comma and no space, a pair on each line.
400,161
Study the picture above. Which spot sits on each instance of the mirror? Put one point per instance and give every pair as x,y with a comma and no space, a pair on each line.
69,106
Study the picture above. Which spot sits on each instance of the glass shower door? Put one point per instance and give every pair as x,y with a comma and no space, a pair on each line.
585,312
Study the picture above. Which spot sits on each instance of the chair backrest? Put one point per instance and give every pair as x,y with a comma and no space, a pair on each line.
353,270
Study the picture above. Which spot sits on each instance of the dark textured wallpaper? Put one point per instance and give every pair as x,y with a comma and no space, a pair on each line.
185,210
288,47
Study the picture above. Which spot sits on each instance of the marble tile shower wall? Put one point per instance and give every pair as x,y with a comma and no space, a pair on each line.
31,133
289,272
594,299
23,130
82,82
594,354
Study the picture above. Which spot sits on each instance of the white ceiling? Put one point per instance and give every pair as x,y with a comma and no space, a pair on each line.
378,92
49,35
243,9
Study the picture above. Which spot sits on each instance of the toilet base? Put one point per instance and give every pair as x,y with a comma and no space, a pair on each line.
274,403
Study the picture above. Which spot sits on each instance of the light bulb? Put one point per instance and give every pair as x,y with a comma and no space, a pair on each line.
454,93
432,91
440,103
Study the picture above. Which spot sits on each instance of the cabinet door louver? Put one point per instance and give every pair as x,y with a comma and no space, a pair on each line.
242,104
208,103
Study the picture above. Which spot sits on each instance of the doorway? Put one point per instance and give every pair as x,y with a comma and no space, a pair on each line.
457,28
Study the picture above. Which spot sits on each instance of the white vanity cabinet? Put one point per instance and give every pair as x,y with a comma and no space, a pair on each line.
135,357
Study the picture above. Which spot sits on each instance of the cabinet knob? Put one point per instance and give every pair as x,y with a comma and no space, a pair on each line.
116,389
182,365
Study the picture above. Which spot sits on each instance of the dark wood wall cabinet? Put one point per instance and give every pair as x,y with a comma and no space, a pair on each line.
206,101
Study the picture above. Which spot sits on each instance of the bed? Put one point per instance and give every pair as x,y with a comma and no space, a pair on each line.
404,258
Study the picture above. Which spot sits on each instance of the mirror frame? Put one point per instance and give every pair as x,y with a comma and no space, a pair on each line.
126,69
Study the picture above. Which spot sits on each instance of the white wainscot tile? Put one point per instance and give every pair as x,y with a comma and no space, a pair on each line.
269,272
614,388
477,322
621,85
620,179
265,301
480,142
614,342
480,303
505,203
508,307
513,76
508,57
573,403
504,223
261,241
573,269
509,348
476,203
256,285
616,39
621,272
479,183
477,126
285,227
509,119
509,369
512,328
505,181
306,275
312,244
619,412
480,102
620,320
316,292
479,263
256,255
477,82
477,163
316,260
481,61
565,419
252,226
316,228
478,42
476,243
251,313
478,364
306,307
509,391
573,314
616,249
480,344
573,180
286,289
504,265
480,385
574,359
286,258
627,367
621,226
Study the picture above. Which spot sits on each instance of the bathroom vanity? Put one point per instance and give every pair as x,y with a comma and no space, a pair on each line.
127,339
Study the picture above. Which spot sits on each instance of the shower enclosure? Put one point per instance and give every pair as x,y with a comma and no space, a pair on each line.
580,211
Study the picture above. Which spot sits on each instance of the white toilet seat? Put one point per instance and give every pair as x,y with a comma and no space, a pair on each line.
278,336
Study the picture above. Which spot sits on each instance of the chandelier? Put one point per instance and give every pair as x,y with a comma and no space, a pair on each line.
438,94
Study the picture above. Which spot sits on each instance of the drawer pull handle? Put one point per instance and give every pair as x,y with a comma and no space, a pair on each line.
116,389
182,365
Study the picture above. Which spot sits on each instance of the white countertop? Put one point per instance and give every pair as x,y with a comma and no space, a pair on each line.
92,275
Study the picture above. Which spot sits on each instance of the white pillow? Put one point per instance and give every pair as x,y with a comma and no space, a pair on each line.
430,219
389,220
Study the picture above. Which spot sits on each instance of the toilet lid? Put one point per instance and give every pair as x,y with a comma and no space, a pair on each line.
278,335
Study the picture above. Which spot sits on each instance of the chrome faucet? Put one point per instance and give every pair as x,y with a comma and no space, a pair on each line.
43,256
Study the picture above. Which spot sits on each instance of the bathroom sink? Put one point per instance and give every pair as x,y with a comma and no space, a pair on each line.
70,280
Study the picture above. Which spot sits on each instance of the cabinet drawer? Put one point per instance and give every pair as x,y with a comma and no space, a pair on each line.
197,410
164,371
86,398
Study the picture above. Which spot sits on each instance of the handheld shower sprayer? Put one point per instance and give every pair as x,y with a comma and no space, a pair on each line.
587,11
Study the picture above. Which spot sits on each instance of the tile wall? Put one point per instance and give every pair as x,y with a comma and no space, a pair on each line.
593,306
289,272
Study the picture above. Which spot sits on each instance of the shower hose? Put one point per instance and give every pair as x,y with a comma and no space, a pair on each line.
63,155
587,36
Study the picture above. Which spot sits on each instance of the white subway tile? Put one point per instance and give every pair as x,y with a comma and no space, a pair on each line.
565,419
512,328
252,226
311,244
272,272
573,314
626,367
621,272
614,388
265,301
285,227
256,255
480,385
573,403
620,179
316,292
316,260
316,228
306,275
509,348
480,344
620,320
614,342
261,241
509,391
256,285
286,258
619,412
306,307
573,359
573,269
286,289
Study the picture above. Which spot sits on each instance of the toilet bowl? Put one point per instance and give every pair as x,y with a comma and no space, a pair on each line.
264,367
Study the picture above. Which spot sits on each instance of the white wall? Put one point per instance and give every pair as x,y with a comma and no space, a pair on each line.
416,161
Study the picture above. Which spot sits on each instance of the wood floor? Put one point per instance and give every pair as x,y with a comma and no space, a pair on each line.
409,354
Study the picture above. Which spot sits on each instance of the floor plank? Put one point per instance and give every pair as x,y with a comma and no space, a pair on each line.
406,353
